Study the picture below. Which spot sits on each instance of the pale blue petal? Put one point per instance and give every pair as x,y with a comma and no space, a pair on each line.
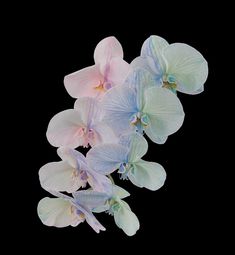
153,47
90,199
106,158
119,105
98,182
140,80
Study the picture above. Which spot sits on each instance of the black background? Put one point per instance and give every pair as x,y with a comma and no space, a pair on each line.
54,43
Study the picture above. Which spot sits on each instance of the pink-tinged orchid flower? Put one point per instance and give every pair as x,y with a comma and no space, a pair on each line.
64,211
71,173
81,126
109,70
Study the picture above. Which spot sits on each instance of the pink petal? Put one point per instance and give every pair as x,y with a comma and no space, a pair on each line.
106,49
66,129
117,72
84,82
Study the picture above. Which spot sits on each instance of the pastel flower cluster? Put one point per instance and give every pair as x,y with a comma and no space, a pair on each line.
117,104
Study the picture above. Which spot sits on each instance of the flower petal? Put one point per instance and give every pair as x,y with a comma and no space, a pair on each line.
90,199
120,192
106,158
84,82
187,66
126,219
153,47
139,80
59,176
102,134
150,175
57,212
97,181
148,64
64,129
89,109
164,111
150,132
73,157
119,106
107,49
137,145
117,71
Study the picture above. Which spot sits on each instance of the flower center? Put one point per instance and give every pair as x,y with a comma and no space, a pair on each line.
140,120
77,213
124,170
169,82
103,86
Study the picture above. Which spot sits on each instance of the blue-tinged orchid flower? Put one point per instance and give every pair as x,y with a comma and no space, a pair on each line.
177,66
141,105
66,211
71,173
112,203
126,156
81,126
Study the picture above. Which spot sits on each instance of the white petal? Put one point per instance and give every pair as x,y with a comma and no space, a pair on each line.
139,80
137,145
106,158
150,132
200,90
120,192
150,175
103,134
187,66
107,49
57,212
89,109
59,176
126,219
63,129
117,71
164,111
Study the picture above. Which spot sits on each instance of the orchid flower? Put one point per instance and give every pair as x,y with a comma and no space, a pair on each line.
71,173
112,203
80,126
65,211
177,66
126,156
109,70
143,106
